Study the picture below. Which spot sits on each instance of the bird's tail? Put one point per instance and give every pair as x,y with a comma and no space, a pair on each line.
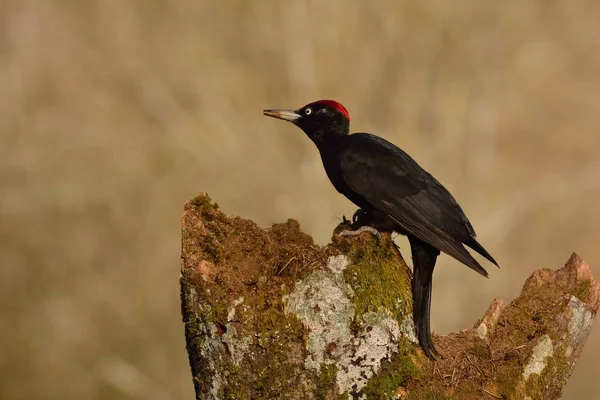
424,258
474,244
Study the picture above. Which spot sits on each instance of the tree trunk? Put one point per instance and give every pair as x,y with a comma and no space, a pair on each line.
270,315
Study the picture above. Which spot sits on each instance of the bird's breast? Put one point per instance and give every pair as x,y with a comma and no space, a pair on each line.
332,165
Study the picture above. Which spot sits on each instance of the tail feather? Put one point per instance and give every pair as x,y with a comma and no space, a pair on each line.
424,258
458,251
448,244
474,244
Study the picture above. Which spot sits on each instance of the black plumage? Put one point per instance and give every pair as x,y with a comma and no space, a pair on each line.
394,194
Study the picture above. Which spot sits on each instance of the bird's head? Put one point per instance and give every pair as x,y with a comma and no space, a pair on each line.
321,120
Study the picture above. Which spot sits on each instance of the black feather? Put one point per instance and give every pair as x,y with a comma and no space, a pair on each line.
424,258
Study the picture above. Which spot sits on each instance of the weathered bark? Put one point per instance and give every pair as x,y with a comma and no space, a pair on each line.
270,315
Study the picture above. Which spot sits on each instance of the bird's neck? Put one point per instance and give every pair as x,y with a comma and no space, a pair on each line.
330,156
328,146
327,137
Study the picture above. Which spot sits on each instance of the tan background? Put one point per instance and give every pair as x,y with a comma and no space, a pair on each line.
113,114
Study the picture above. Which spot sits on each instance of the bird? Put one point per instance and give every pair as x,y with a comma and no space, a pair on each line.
394,194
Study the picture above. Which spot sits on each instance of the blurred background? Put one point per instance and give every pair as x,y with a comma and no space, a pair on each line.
113,114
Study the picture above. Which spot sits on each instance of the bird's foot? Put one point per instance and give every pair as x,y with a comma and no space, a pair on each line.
427,346
360,230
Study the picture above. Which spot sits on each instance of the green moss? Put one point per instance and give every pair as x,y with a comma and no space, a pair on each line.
219,307
275,330
209,210
508,380
344,246
383,386
513,386
393,374
268,370
582,291
211,248
554,374
203,201
233,390
377,279
326,381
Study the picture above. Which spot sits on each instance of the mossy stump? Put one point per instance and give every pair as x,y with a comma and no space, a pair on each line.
270,315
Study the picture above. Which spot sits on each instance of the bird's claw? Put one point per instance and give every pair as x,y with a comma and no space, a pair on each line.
360,230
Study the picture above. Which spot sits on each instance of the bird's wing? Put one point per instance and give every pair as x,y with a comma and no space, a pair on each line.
392,182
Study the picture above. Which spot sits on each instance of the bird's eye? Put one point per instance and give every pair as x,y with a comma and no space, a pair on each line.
308,111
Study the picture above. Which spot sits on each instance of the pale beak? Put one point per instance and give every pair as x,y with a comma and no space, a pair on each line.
287,115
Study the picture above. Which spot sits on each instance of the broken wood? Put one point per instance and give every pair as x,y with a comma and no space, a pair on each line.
270,315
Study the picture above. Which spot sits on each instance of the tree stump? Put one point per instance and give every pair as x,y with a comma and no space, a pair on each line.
270,315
